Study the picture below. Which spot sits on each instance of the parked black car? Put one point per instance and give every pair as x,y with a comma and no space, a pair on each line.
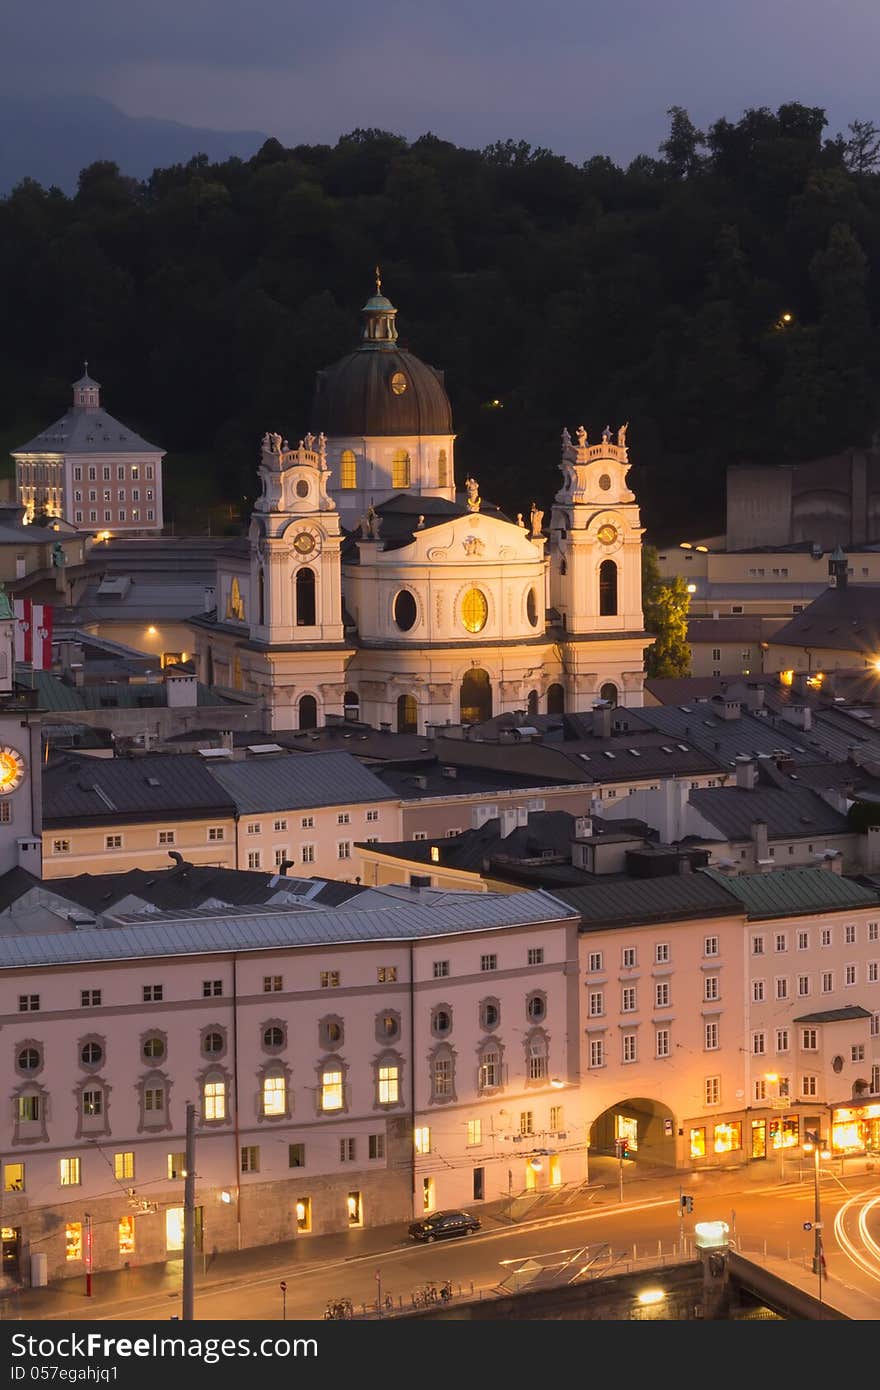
444,1223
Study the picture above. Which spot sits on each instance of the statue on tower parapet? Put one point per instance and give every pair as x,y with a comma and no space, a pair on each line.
473,494
621,436
536,516
581,437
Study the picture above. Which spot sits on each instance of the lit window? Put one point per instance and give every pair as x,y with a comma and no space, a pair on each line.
123,1166
73,1240
347,469
69,1172
331,1090
388,1085
474,610
214,1102
474,1133
274,1095
125,1235
422,1139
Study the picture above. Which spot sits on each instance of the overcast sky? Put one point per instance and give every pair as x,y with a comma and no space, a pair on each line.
583,77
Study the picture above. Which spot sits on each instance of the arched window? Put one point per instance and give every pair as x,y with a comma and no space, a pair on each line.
305,597
261,595
442,469
474,610
609,692
532,705
555,700
308,712
348,469
351,705
607,589
400,469
475,697
235,602
407,714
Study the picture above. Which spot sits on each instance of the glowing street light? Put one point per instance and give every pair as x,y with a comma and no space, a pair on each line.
813,1145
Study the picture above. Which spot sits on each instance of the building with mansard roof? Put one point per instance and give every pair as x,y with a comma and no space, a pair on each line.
91,471
378,586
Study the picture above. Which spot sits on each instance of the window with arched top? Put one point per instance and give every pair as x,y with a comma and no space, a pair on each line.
607,589
442,469
400,469
532,703
475,697
261,595
304,586
307,712
351,705
609,692
348,469
407,714
555,700
235,602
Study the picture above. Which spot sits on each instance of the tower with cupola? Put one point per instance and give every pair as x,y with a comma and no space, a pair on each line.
297,649
596,571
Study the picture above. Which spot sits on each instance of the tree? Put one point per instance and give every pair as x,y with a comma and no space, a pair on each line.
681,144
665,604
861,153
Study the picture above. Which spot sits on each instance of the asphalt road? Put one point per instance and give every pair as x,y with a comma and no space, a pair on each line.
769,1219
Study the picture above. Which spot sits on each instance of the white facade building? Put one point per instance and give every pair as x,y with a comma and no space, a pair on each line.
91,471
377,589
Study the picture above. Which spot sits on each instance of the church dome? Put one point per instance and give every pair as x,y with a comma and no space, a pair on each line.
381,389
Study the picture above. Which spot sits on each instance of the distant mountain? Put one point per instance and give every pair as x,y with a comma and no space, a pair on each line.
51,138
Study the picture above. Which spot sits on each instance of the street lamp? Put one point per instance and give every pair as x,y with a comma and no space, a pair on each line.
813,1145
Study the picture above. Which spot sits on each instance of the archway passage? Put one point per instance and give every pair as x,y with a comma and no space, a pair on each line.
308,712
351,705
609,692
532,706
407,714
475,697
647,1125
556,700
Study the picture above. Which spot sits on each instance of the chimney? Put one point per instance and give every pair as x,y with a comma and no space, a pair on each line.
755,697
602,719
210,598
583,828
226,739
759,839
746,772
384,727
522,815
799,715
508,821
872,852
727,709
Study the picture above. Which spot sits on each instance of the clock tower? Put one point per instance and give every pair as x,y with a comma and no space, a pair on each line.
20,814
297,652
596,572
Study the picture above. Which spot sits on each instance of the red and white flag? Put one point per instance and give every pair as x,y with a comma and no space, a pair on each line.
33,633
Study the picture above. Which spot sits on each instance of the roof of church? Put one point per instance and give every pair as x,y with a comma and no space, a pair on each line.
381,388
404,514
841,619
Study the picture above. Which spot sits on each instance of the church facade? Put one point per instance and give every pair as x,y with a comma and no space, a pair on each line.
374,588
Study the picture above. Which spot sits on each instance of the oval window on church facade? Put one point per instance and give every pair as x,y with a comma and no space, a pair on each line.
405,610
474,610
532,607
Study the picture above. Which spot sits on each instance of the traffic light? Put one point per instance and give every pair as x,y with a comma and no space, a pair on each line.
687,1203
622,1148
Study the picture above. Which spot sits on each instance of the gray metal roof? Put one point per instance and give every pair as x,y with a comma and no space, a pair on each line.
284,782
698,724
168,935
792,811
852,1011
82,431
791,892
81,789
631,901
846,619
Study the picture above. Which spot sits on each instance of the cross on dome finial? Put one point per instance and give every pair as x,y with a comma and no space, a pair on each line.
86,367
378,280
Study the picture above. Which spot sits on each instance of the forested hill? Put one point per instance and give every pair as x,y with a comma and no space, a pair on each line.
206,298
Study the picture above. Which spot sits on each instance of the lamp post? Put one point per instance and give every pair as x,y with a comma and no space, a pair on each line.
812,1144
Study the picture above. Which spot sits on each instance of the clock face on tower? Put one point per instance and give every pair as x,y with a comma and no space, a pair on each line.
306,543
607,534
12,769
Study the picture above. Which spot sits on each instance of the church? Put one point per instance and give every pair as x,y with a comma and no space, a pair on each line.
374,587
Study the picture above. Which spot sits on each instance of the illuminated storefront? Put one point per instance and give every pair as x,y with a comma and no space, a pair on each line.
855,1128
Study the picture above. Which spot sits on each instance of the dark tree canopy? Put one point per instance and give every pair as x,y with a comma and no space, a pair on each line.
207,297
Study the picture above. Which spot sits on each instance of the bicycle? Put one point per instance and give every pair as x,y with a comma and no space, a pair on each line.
446,1291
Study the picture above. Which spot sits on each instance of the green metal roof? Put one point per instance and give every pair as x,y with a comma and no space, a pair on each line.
790,892
835,1015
